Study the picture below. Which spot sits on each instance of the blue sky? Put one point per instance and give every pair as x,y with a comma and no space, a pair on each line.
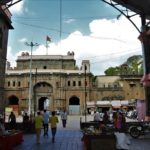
88,27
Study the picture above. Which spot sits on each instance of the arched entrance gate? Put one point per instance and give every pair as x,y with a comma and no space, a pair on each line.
43,92
74,105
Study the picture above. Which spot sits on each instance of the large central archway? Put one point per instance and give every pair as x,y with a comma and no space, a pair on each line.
13,100
43,103
43,92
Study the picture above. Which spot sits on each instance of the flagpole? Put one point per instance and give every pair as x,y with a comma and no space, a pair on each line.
46,48
48,39
60,21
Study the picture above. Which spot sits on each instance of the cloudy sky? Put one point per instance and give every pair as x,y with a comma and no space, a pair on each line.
90,28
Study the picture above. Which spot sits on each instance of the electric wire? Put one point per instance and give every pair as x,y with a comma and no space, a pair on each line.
67,33
109,57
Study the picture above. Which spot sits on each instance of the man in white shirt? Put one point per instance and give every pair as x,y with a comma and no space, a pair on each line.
45,122
97,116
64,118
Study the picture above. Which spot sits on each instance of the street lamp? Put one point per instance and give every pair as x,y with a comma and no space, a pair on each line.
30,80
85,68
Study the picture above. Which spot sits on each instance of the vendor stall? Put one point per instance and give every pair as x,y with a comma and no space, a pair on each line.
99,139
10,140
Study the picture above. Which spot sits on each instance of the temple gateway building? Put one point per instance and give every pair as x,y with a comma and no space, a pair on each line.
55,82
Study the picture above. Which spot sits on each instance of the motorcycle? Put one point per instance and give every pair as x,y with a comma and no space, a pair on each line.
131,114
141,128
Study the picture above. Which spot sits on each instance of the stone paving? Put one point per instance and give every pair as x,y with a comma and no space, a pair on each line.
69,138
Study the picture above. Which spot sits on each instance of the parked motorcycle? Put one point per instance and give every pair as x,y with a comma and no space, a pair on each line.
139,129
132,114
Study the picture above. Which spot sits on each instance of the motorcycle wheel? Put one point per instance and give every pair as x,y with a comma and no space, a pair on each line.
135,132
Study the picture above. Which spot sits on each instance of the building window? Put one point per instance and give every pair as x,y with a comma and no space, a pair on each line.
74,83
85,83
45,67
109,85
13,83
8,83
116,85
79,83
19,83
132,84
68,83
57,84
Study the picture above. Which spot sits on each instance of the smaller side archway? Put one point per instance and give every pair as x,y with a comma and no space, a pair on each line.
13,103
74,105
13,100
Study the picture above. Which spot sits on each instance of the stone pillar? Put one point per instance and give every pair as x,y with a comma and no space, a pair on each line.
145,39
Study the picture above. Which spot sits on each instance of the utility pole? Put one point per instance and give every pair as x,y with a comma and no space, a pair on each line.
85,68
30,80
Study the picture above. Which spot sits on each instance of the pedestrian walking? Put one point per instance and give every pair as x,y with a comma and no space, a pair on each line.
45,123
12,121
97,117
26,124
106,118
2,126
38,125
53,120
64,118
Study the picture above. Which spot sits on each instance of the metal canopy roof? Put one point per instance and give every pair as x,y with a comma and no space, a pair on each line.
138,6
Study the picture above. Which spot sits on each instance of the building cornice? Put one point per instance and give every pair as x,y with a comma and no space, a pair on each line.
6,15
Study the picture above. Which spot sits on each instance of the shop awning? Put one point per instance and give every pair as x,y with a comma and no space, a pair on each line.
90,104
103,103
124,102
116,103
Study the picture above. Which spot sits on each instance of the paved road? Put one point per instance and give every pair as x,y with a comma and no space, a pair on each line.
70,138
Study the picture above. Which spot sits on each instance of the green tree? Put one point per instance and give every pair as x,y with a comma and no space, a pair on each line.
133,65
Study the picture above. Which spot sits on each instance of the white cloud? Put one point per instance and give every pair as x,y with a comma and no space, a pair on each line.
11,57
17,8
110,43
69,21
23,40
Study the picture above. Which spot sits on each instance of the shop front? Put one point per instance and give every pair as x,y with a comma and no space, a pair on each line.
91,107
103,106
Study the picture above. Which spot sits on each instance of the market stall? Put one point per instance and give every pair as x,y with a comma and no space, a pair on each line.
99,139
10,140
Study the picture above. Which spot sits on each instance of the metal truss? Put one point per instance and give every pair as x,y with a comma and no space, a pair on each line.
123,11
8,3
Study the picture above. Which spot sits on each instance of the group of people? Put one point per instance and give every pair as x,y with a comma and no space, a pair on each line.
40,121
117,118
43,120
